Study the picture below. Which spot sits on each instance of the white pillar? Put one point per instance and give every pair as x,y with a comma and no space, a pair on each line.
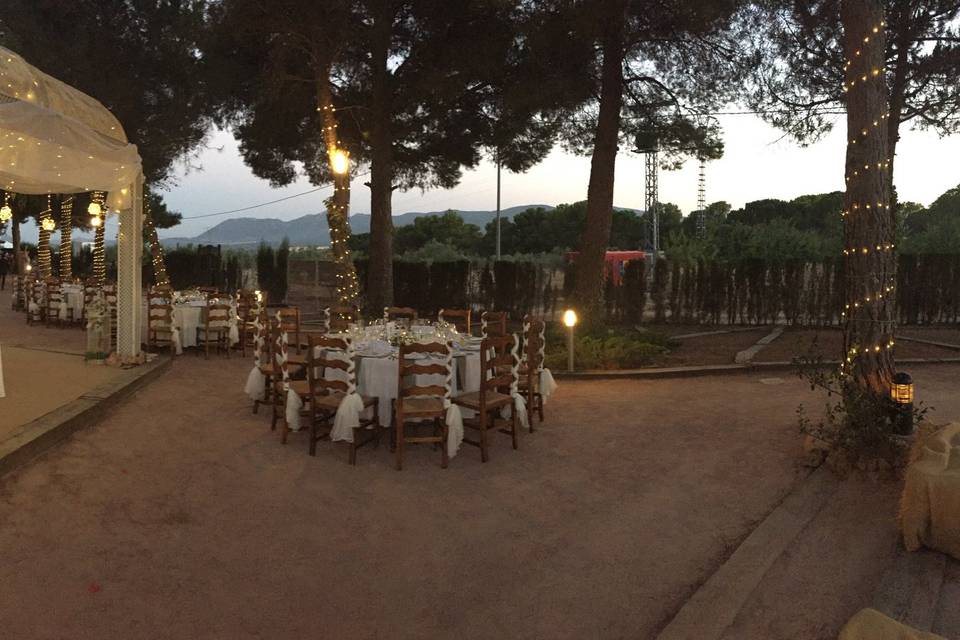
129,268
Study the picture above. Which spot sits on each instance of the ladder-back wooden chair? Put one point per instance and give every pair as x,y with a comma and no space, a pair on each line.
496,380
110,295
534,343
325,391
247,309
214,329
160,323
459,318
263,357
53,302
418,404
338,319
493,324
36,300
404,314
289,319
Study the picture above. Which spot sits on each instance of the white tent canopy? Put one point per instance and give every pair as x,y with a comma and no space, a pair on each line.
56,139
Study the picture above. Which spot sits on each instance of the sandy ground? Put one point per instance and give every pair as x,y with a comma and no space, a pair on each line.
828,344
714,349
43,368
182,516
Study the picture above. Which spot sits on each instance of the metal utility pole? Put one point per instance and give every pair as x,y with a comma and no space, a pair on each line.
498,205
651,196
702,199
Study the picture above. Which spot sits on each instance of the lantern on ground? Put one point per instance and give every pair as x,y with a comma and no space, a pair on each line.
570,321
901,392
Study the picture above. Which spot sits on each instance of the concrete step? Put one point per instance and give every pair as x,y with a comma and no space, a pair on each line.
909,591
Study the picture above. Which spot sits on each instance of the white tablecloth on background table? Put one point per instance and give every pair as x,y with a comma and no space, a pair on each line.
187,317
72,299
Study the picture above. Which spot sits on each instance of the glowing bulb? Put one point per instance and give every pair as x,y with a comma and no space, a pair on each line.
339,161
5,213
48,224
95,209
96,221
570,318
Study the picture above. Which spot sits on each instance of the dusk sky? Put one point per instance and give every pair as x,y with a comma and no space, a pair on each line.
758,163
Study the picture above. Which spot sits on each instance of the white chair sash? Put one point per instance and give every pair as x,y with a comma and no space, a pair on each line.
256,386
519,404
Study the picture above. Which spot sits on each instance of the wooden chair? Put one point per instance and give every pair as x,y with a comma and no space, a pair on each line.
534,343
459,318
493,324
407,314
416,404
52,302
337,319
494,393
215,329
160,324
322,395
110,294
210,292
263,356
289,320
36,300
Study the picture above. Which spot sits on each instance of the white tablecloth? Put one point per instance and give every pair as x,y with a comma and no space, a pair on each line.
187,317
72,299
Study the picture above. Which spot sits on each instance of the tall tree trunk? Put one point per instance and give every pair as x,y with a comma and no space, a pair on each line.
870,261
898,89
380,274
596,234
66,238
338,205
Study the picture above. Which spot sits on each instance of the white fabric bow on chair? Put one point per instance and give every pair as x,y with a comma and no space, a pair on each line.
351,405
256,386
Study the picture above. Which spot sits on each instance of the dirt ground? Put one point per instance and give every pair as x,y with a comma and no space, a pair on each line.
828,344
713,349
182,516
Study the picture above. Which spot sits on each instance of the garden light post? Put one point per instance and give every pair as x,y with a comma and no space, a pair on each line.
570,321
901,392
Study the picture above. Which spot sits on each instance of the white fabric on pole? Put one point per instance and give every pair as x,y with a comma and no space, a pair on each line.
256,385
547,384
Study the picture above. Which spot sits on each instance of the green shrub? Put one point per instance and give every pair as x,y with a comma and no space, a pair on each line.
604,348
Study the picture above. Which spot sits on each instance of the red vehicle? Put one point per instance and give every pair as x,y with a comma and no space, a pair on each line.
614,262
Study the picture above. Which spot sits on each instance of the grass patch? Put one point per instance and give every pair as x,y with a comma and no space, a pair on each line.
606,348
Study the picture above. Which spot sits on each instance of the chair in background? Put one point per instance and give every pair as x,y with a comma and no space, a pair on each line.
210,292
215,329
496,376
324,394
16,294
418,404
534,343
36,300
160,324
459,318
405,314
53,302
337,319
264,358
110,294
288,319
493,324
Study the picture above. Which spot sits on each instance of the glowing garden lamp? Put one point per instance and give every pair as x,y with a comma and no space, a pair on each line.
570,321
339,161
901,392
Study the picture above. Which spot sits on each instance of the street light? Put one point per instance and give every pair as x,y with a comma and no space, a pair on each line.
570,321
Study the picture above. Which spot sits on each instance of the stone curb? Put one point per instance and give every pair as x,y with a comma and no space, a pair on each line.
36,437
715,604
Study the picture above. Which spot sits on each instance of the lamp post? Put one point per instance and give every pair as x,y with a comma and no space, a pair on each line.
901,392
570,321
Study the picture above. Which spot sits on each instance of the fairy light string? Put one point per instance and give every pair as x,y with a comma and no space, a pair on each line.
66,238
160,276
47,224
867,296
338,204
98,213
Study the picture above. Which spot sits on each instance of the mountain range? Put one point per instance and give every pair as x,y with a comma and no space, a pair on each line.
312,230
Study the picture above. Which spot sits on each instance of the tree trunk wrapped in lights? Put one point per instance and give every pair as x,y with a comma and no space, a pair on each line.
338,205
47,224
98,214
66,238
160,277
869,230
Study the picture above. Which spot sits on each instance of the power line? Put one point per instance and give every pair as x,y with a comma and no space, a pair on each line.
265,204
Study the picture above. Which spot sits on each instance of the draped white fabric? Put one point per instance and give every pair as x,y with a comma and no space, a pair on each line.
547,384
54,138
256,385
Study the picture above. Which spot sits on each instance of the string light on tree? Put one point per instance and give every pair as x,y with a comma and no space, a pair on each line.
6,213
47,224
868,230
160,276
97,211
66,238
